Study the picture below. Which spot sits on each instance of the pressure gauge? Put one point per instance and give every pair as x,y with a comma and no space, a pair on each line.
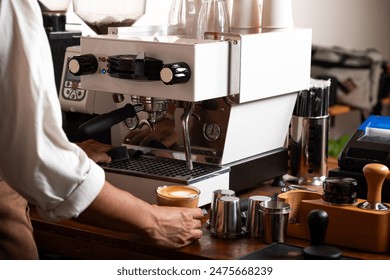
211,131
131,123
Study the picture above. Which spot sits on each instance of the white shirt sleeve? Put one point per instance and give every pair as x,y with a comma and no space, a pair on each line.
36,158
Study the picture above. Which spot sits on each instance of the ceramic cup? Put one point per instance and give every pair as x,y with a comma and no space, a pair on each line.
277,14
178,196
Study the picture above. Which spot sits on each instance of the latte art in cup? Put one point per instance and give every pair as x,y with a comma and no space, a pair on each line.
179,196
174,191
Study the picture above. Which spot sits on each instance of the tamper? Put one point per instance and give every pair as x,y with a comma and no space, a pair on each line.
375,174
318,225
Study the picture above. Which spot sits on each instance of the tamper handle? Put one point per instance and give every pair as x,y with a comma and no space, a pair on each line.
375,174
318,225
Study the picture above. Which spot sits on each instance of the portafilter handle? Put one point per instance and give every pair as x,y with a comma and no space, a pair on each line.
105,121
375,174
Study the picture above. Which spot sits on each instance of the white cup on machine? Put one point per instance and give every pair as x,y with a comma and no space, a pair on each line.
277,14
245,16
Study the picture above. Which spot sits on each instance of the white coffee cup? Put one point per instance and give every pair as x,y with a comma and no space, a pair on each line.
277,14
245,15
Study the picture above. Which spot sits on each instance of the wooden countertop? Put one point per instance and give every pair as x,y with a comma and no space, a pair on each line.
73,240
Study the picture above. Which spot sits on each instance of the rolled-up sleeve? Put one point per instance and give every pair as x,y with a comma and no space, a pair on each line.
36,158
76,201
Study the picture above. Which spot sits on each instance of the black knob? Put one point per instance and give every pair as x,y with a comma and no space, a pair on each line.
83,65
318,225
175,73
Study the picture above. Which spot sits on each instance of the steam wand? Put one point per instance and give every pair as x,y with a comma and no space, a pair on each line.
189,109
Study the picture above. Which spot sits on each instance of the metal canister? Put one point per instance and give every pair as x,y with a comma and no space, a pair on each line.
308,149
308,135
274,215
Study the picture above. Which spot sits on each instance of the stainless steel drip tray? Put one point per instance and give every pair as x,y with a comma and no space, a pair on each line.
166,169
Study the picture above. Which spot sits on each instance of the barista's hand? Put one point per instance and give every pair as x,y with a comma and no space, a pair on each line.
175,227
164,132
167,227
96,151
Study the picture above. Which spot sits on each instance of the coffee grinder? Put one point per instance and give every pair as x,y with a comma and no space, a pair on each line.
54,21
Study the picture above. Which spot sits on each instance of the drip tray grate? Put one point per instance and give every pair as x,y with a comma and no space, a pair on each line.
157,167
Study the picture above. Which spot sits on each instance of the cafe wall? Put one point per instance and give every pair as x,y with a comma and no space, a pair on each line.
356,24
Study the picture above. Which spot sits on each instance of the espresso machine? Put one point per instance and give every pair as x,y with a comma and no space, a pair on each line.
233,96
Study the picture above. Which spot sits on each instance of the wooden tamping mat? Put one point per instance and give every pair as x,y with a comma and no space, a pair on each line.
363,225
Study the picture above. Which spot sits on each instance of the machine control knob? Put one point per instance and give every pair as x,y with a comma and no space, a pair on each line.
83,65
175,73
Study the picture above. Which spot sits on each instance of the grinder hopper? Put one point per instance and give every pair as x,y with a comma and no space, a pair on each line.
60,6
99,15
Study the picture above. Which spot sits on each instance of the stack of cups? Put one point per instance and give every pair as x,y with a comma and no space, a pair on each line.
245,16
216,195
225,215
213,19
276,15
227,222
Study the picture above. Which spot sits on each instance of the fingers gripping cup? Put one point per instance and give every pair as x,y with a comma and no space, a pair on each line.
178,196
